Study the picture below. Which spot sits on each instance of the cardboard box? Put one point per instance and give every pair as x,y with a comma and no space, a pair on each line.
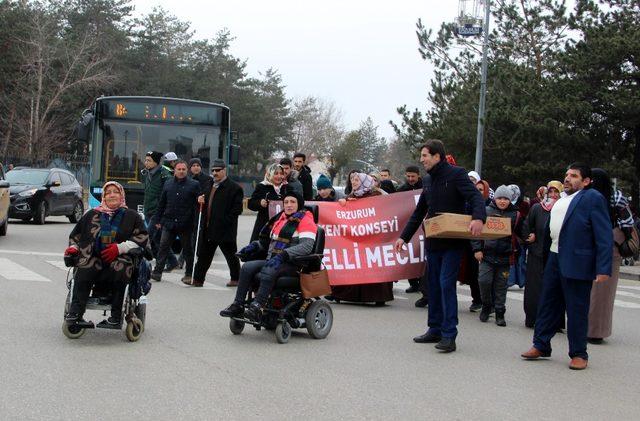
453,225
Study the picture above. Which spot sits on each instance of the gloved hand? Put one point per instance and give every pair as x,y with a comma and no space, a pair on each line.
250,249
71,251
110,253
276,261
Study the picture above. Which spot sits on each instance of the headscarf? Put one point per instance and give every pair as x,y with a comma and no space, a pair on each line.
516,193
548,202
474,175
103,208
541,193
485,193
366,184
271,170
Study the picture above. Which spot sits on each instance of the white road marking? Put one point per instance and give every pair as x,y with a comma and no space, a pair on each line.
629,287
175,278
219,273
626,304
57,263
628,294
31,253
15,272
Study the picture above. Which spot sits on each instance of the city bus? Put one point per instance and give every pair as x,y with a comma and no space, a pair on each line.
120,130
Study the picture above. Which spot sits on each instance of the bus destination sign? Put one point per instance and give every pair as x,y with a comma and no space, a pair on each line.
161,112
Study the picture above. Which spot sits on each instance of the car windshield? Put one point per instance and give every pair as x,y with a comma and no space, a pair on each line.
27,176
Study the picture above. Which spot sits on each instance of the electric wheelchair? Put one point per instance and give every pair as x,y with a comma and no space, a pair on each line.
287,308
134,305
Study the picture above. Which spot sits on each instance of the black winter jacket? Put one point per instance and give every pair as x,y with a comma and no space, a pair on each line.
205,181
307,182
409,187
178,201
226,207
498,251
449,191
263,191
418,215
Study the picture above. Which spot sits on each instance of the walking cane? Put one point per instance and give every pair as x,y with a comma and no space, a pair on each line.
195,252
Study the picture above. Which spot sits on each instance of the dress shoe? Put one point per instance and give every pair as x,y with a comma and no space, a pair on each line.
232,283
475,307
427,338
595,341
534,353
234,310
578,363
500,319
412,289
484,314
73,320
156,276
197,284
187,280
446,345
422,302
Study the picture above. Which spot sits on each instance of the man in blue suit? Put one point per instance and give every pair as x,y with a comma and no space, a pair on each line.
580,245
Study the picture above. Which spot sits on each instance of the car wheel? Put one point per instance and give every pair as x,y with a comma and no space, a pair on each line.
78,210
41,213
3,228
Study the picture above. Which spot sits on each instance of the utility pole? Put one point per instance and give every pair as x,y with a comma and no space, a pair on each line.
483,90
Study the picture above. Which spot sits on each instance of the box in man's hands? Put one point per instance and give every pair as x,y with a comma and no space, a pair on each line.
453,225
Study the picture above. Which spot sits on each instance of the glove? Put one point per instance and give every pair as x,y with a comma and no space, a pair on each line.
276,261
71,251
250,249
110,253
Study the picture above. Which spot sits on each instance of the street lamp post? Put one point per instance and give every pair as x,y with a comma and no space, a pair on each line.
483,90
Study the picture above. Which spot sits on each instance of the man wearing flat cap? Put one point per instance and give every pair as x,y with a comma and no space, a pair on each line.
222,207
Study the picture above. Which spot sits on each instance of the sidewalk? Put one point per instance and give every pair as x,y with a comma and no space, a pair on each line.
631,273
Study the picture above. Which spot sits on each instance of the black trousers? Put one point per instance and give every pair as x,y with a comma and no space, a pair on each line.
166,240
252,275
113,279
206,251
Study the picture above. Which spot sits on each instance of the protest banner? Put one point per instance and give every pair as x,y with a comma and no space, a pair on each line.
360,238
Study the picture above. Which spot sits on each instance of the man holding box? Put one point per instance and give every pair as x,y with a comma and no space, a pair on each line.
449,190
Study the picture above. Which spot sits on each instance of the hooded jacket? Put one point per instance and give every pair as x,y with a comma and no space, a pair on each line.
498,251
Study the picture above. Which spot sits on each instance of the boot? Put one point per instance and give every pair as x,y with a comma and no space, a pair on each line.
234,310
500,318
484,314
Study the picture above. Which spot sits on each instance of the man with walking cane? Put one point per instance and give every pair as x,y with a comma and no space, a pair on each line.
222,205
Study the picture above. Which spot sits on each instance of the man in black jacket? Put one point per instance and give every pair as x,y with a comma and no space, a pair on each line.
222,207
412,179
195,171
449,190
304,175
176,210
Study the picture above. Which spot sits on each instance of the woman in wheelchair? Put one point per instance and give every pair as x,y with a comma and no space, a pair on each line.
289,234
98,247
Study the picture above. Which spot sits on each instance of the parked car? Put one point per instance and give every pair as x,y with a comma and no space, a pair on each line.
37,193
4,202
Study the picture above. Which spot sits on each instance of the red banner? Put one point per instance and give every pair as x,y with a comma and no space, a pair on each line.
360,238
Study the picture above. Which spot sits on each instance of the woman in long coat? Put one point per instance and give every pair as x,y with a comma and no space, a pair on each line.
271,188
533,232
603,294
363,186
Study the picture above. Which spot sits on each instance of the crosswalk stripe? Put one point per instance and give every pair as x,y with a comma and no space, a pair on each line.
627,294
636,288
626,304
57,263
30,253
15,272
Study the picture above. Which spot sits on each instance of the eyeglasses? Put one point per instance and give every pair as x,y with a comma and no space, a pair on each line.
216,169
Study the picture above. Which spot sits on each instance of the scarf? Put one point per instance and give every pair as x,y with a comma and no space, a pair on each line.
103,208
366,184
286,233
109,226
547,204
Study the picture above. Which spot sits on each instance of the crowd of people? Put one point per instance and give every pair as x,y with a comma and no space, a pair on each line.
561,251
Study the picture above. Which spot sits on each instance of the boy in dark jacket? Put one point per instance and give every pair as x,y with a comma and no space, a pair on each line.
495,257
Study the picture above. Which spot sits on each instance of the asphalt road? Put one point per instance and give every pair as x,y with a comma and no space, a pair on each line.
188,365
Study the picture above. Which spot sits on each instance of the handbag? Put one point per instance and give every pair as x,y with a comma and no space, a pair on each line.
627,241
315,284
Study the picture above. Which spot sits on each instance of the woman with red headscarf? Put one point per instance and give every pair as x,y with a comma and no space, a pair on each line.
98,245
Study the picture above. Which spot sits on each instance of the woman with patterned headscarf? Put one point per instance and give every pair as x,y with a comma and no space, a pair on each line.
362,186
99,245
270,189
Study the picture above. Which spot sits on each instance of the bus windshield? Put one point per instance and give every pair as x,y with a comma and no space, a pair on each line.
123,146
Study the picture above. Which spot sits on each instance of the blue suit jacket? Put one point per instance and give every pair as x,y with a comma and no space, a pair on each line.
586,238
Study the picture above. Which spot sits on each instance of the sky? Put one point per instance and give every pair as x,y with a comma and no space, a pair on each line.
362,56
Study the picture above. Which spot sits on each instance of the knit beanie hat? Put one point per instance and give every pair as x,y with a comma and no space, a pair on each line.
323,182
503,192
156,156
195,161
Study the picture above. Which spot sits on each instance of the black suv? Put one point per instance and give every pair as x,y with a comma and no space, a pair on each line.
37,193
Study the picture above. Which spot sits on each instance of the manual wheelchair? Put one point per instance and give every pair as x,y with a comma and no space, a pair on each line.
287,308
134,305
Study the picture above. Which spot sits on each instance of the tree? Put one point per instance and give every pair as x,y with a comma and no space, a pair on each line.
317,124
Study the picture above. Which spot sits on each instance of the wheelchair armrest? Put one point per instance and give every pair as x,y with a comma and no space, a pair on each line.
306,260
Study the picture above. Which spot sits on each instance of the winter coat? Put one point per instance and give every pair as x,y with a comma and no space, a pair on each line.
409,187
226,207
153,185
419,213
307,182
498,251
205,181
535,223
268,192
177,205
448,192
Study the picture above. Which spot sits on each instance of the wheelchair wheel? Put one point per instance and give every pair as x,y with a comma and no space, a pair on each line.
319,319
283,332
141,312
72,332
236,326
134,330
